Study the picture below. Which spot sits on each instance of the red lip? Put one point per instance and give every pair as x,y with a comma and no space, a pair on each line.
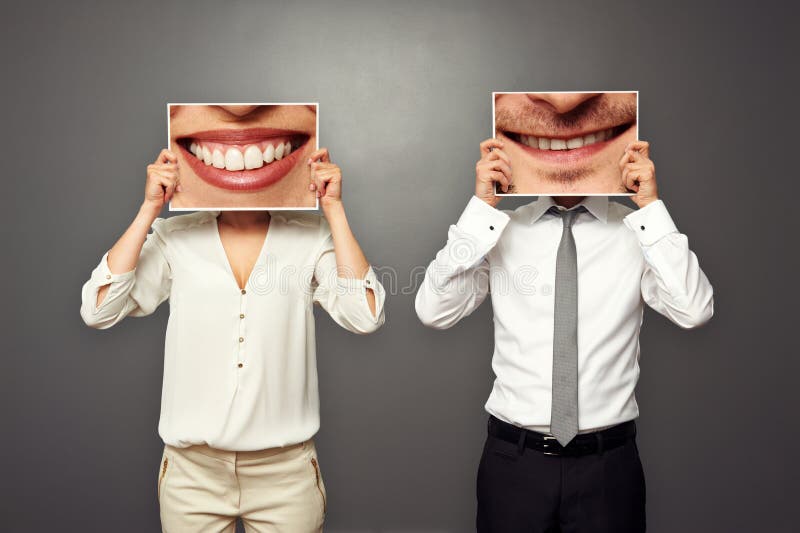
242,180
241,136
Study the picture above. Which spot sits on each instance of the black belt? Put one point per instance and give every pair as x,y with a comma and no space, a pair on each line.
582,444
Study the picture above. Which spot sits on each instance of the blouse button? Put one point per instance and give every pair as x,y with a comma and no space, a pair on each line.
240,365
244,291
241,315
241,339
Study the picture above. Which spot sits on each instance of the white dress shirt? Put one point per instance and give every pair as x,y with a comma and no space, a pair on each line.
625,259
239,365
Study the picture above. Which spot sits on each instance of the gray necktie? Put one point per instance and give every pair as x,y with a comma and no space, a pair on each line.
564,411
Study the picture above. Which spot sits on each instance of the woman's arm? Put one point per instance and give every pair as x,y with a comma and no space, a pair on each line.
326,180
162,179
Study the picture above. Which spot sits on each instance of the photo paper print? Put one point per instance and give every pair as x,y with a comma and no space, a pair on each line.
243,156
565,143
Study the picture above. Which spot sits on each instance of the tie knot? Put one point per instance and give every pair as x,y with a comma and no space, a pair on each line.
568,215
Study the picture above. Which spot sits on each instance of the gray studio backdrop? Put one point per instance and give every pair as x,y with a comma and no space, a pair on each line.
404,92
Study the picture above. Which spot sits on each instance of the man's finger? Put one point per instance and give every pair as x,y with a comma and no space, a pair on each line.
625,159
640,147
497,153
502,180
500,166
490,143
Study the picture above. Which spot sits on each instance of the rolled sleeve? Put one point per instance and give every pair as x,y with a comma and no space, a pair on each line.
120,283
137,292
119,286
345,298
651,223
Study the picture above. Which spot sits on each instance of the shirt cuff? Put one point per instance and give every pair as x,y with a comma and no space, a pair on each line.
370,281
482,221
651,223
105,276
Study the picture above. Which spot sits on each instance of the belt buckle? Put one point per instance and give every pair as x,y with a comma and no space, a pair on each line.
548,439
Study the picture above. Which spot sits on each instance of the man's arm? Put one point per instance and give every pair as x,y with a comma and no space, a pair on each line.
457,280
673,283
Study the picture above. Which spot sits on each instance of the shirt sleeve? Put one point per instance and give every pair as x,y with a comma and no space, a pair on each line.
137,292
457,280
344,298
672,283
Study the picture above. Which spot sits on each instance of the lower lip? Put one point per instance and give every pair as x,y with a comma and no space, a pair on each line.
566,157
243,180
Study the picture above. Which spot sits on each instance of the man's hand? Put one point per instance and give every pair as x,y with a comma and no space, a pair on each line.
493,167
639,173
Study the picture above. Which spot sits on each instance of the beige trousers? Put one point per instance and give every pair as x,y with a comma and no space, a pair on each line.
278,490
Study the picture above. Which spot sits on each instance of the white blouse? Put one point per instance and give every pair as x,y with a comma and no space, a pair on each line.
240,367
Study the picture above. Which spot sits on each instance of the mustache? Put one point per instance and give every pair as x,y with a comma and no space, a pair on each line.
595,113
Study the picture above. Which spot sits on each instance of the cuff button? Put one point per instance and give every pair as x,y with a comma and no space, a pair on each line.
642,227
108,276
491,228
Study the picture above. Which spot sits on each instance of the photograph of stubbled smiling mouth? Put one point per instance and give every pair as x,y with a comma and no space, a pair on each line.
244,156
566,143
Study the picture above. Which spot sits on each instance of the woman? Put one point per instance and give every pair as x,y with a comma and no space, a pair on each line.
239,403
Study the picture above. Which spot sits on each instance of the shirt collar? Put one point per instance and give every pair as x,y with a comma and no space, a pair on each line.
596,205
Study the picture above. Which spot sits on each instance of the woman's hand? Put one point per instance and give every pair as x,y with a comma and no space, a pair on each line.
493,167
162,181
326,179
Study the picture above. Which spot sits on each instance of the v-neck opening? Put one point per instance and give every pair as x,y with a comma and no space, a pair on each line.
227,260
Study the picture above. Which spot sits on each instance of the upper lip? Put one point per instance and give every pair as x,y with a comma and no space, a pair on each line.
240,136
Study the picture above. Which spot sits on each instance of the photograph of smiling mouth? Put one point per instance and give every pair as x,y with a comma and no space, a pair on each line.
570,146
243,160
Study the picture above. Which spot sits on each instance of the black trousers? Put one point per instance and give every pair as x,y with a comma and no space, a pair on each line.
531,492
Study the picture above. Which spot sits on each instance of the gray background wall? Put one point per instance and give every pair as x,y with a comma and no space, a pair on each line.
404,90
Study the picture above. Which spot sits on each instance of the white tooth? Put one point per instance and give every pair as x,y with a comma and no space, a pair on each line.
601,136
206,155
234,159
287,148
533,142
253,157
279,152
589,139
544,144
193,148
558,144
217,159
269,154
577,142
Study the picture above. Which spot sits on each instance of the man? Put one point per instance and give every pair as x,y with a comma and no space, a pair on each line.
566,143
568,279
